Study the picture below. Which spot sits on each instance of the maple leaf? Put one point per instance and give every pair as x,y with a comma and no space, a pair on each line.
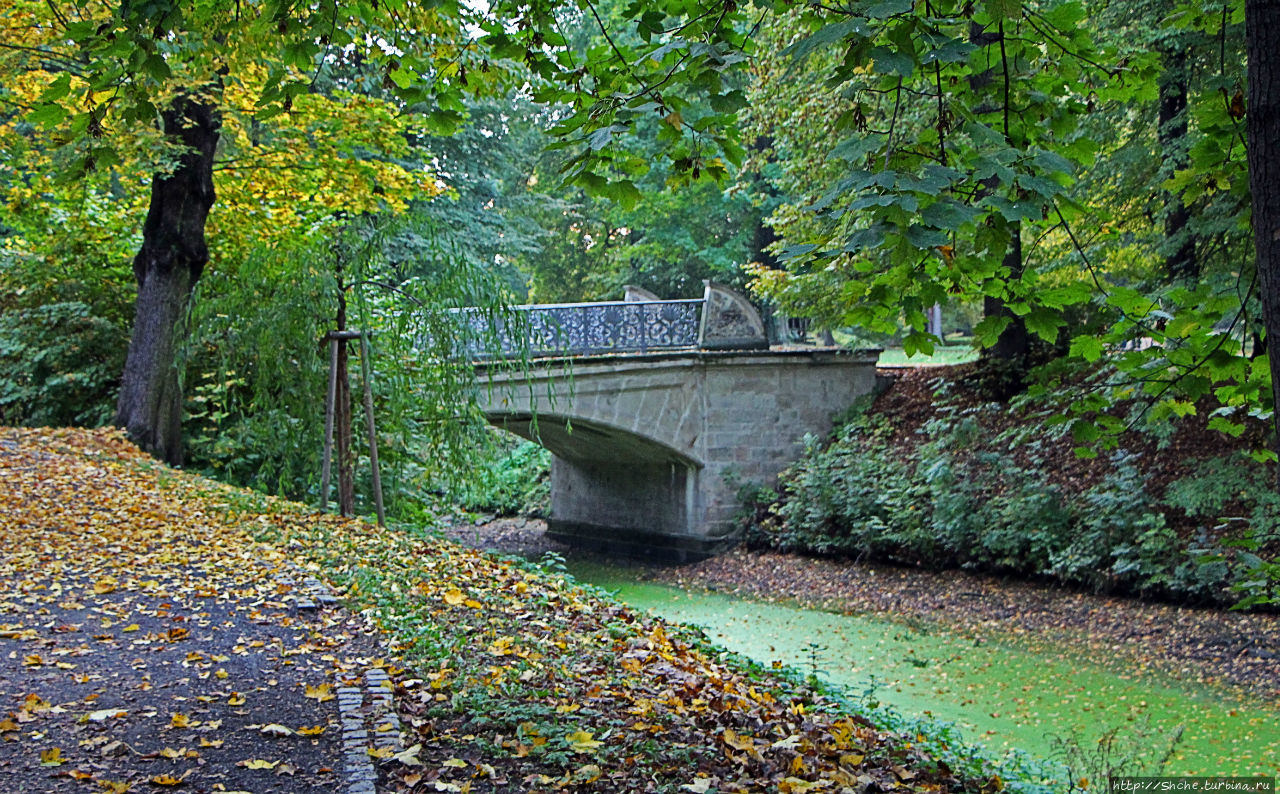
320,692
380,752
257,763
409,756
211,742
167,780
181,721
275,729
454,597
52,757
315,730
581,741
106,584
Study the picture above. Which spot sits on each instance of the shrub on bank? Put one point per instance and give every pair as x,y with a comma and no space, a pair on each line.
962,496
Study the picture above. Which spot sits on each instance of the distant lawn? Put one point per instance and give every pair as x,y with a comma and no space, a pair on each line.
950,354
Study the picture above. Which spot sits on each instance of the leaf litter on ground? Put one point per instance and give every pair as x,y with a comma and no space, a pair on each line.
506,678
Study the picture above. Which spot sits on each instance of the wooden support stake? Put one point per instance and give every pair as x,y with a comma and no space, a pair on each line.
365,369
330,401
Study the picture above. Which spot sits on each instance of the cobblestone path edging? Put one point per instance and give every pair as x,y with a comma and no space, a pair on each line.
367,712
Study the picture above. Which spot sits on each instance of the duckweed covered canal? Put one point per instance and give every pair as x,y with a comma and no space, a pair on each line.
1001,694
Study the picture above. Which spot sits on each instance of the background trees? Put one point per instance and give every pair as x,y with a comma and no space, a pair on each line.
1074,171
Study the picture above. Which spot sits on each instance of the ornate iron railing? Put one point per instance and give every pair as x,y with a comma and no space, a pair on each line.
587,328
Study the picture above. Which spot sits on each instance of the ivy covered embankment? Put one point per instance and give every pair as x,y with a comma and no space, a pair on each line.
930,474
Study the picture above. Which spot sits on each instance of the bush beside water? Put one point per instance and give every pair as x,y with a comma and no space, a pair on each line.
960,496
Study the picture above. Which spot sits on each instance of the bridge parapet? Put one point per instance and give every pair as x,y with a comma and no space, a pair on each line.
720,319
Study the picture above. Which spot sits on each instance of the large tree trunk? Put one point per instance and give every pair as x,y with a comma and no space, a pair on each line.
1014,341
1180,244
1262,124
171,259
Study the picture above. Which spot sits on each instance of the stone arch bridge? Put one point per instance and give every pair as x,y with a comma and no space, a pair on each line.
651,440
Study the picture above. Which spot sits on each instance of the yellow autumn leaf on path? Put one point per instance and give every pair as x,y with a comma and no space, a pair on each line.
319,692
258,763
380,752
167,780
52,757
582,742
106,584
454,597
315,730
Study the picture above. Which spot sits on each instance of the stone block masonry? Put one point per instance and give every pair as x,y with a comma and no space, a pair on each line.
646,446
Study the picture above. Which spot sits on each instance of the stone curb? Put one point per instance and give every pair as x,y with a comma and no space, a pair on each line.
367,713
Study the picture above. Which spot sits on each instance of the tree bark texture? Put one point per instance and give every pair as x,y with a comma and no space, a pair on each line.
167,267
1014,342
1180,244
1262,126
343,420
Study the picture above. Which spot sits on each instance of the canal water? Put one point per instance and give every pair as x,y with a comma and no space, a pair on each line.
1002,695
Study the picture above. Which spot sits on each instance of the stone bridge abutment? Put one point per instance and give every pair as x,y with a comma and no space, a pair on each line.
647,447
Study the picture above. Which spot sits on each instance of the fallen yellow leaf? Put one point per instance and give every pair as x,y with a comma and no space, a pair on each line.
320,692
258,763
52,757
582,742
454,597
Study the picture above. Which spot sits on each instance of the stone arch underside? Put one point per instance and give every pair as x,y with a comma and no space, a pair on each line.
612,486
